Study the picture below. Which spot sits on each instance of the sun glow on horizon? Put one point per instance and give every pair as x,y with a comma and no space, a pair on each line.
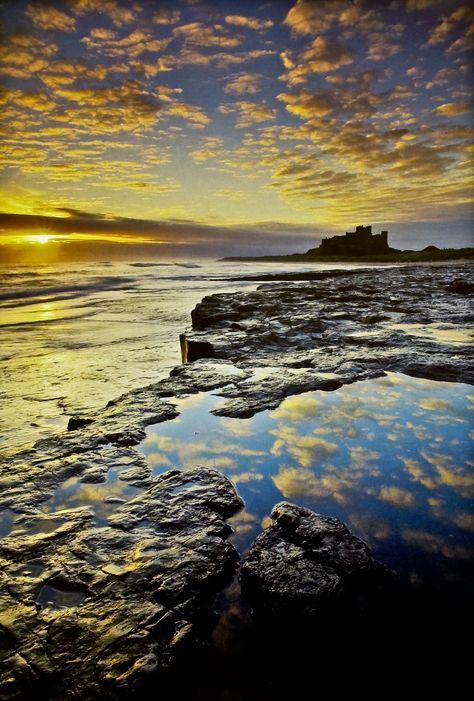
38,238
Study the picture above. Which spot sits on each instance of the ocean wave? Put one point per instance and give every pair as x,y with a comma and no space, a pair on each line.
163,265
25,295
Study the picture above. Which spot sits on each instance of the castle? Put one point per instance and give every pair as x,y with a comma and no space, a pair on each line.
360,242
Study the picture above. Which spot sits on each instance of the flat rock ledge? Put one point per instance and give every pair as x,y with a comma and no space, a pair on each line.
305,564
334,328
92,612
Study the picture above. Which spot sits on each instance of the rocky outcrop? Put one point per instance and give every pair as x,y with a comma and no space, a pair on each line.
93,612
338,327
305,564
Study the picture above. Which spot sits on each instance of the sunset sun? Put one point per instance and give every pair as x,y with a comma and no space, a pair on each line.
38,238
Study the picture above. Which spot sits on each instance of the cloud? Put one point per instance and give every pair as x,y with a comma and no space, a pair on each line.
433,543
398,496
358,78
308,104
22,55
194,115
419,473
221,60
117,11
322,56
210,147
306,450
450,474
248,113
138,42
199,34
166,15
309,17
64,72
49,17
247,477
244,83
435,404
325,55
465,520
298,408
250,22
381,48
453,109
447,24
167,237
296,483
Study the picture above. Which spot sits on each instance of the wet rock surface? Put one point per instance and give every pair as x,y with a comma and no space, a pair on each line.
338,328
93,612
305,563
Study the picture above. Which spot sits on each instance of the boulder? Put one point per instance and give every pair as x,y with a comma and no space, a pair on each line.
305,564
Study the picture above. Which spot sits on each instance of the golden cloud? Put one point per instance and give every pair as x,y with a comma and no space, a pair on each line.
435,404
307,450
298,408
418,473
244,83
250,22
325,55
199,34
293,482
453,109
451,474
119,13
248,113
210,147
397,496
382,48
166,15
309,17
138,42
308,104
48,17
195,116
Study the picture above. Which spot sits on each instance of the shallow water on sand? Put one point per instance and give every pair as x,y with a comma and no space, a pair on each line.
74,337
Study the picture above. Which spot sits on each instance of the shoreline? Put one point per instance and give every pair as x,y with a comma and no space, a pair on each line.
441,256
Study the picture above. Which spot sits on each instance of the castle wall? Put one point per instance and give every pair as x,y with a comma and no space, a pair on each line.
358,242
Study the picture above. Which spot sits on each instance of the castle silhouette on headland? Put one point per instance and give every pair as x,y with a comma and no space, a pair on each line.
354,243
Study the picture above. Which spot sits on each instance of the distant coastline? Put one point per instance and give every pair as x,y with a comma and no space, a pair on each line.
443,254
362,246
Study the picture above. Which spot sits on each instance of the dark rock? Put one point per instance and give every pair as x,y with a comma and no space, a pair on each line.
461,287
90,612
305,564
194,350
76,422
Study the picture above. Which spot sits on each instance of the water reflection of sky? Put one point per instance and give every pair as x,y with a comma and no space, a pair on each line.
392,457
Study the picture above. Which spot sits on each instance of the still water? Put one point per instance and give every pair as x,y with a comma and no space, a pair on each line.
392,457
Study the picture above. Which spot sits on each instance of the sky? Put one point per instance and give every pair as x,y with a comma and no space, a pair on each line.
225,127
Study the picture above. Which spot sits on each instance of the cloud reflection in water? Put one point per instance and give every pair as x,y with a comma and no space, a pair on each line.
390,457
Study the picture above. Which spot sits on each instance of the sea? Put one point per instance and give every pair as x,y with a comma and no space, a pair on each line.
75,336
